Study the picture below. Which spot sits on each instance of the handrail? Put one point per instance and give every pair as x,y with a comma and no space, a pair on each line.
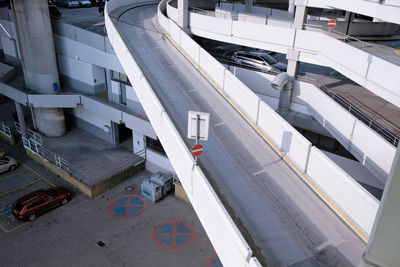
346,37
371,123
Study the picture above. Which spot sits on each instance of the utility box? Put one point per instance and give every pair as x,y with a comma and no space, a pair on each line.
157,187
150,190
166,181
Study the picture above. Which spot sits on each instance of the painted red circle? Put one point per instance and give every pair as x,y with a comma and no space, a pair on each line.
127,210
332,23
197,150
174,234
214,261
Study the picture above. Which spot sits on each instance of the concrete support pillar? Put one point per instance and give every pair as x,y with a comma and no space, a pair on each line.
21,119
115,133
50,121
35,41
138,142
384,241
291,9
183,14
292,56
300,17
285,97
248,5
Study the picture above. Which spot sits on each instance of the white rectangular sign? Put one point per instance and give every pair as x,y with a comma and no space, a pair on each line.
198,124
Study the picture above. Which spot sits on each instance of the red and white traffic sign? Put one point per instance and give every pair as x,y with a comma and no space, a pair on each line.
197,150
332,23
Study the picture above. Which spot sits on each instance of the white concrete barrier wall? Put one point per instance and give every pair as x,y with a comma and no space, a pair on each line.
340,123
172,12
215,70
175,32
289,141
353,199
299,150
375,152
263,33
323,49
192,48
182,162
371,149
54,101
210,24
242,96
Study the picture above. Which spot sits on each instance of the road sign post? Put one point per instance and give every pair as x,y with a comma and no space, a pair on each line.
198,125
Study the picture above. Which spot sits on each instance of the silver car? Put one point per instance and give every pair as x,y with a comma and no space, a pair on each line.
7,164
260,60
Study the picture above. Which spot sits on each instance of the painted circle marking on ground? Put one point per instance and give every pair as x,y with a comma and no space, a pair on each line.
127,206
214,261
174,234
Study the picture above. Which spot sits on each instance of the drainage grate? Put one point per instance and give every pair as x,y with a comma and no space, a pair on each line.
100,243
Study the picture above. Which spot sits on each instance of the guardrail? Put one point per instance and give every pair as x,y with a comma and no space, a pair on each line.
5,129
101,173
362,44
371,123
298,152
32,135
226,238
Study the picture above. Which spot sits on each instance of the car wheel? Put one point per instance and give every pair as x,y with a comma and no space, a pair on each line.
32,217
64,201
12,168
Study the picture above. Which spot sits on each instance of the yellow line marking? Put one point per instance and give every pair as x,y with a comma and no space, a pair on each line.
397,52
6,176
37,174
20,188
17,227
304,177
4,229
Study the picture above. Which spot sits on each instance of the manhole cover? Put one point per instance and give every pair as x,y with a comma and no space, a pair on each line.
129,188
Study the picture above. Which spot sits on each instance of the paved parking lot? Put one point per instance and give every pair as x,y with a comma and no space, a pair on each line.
116,228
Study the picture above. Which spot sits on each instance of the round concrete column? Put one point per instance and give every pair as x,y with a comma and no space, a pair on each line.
51,121
35,40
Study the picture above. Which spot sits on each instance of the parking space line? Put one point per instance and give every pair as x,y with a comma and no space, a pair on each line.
20,188
17,227
37,174
6,176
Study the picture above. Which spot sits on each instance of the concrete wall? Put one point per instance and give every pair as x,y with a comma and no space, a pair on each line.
224,235
282,136
90,123
375,74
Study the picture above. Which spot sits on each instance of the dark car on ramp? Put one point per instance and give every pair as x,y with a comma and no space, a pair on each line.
38,202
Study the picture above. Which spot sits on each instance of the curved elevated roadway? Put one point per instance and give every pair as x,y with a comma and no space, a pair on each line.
287,221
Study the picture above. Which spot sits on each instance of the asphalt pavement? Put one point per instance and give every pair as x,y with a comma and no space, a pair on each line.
288,222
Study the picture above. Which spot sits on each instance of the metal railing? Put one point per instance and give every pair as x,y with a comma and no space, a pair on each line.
32,135
383,52
4,129
371,123
59,162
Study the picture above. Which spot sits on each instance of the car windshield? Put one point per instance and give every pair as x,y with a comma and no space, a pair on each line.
270,60
51,192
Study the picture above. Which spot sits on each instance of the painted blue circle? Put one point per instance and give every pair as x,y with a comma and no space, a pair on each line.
174,235
216,263
127,206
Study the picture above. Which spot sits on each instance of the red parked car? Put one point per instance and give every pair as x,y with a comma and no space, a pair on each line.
38,202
